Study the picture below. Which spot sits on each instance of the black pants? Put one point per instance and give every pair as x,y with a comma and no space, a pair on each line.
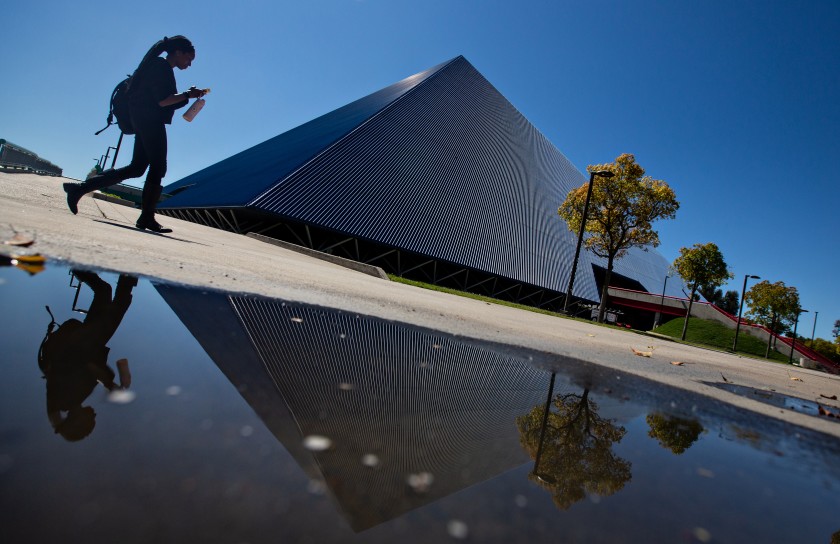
105,314
150,150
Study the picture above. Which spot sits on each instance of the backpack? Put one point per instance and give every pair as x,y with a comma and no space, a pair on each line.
119,108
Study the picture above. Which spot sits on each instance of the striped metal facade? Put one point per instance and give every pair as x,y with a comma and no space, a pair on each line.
419,401
439,166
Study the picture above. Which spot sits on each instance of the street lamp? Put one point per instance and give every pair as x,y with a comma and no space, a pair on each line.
793,340
658,320
814,330
603,174
741,309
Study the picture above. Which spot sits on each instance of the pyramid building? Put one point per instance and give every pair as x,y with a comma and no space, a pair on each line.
436,177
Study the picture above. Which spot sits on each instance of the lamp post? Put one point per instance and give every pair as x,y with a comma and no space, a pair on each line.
741,309
603,174
658,319
814,330
107,156
793,340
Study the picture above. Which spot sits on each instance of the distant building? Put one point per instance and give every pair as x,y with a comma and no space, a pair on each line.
16,158
437,177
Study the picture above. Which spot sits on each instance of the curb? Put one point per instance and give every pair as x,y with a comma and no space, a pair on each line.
368,269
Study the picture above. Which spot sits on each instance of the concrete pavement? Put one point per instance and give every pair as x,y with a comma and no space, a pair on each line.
103,236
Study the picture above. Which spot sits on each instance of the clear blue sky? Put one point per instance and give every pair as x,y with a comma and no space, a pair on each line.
736,104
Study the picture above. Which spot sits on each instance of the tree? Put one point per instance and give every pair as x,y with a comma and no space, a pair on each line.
620,214
674,433
577,457
824,347
836,330
727,302
773,305
701,267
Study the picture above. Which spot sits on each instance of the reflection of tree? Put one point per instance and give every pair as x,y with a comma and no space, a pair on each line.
835,538
674,433
571,446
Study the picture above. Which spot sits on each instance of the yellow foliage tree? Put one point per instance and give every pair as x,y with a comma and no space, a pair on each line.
701,266
621,212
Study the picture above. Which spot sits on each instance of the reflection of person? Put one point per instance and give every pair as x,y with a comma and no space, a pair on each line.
153,98
74,358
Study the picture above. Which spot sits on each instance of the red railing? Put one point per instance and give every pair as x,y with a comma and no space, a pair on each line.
801,348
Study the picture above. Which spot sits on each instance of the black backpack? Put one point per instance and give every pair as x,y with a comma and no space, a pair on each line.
119,108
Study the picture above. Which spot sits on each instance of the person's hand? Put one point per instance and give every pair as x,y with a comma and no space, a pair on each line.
195,92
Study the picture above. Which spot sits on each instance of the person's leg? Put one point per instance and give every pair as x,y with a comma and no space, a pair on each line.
135,169
101,300
105,314
155,144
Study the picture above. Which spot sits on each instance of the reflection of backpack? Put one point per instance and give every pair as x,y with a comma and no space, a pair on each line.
51,348
119,108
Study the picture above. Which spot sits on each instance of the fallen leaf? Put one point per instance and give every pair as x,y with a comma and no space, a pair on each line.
724,378
642,353
590,335
826,413
794,378
832,397
20,240
677,363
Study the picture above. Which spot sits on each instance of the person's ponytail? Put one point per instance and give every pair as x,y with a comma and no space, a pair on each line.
155,51
166,45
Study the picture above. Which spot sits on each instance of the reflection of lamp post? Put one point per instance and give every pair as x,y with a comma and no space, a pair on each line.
793,340
741,309
658,319
603,174
544,424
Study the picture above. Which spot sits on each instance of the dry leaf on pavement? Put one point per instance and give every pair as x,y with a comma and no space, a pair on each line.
20,240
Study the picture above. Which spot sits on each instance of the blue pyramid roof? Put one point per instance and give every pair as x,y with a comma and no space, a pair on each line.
257,169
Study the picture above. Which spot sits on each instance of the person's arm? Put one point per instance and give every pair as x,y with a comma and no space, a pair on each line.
177,98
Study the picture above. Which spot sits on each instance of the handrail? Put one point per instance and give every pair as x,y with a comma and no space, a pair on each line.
801,348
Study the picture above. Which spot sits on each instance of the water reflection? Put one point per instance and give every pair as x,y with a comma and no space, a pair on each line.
674,433
264,420
572,448
409,416
73,356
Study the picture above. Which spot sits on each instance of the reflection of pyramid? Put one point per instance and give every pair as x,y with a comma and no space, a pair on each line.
418,402
437,176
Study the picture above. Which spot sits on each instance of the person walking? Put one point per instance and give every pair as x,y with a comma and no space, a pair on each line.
153,98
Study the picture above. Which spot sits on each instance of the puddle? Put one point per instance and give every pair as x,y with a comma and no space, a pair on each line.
155,409
786,402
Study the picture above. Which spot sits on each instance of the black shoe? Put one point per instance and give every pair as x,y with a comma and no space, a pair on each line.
152,225
74,194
